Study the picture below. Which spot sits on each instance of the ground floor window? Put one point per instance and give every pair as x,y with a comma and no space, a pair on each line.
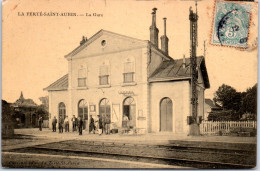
62,110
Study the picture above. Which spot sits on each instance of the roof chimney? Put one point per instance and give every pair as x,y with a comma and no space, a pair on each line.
153,29
84,39
184,62
164,39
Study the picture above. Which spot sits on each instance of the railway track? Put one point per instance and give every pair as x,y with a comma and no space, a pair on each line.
201,158
173,148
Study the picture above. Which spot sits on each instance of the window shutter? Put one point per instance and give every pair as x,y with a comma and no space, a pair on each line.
104,70
128,67
82,73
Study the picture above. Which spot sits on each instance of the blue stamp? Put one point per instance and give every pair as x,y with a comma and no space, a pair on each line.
231,24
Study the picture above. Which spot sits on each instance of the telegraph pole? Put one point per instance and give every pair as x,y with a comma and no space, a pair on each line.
194,120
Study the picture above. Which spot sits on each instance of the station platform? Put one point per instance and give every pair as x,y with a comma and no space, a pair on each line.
149,138
209,148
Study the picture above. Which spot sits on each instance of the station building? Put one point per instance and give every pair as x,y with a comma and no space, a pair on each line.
113,75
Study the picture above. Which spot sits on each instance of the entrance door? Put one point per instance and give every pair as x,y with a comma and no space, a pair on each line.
104,111
83,112
166,115
129,111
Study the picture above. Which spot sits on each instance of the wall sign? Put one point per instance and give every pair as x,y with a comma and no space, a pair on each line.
92,108
126,93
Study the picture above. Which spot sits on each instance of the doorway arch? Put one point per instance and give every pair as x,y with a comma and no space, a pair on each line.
166,115
129,110
104,110
83,112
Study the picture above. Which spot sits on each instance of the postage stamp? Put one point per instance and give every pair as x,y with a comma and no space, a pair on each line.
231,24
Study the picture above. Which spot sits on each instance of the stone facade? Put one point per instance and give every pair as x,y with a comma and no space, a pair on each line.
113,75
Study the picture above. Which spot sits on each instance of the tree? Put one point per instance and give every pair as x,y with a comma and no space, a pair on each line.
223,115
45,102
228,98
7,119
41,111
249,101
235,104
7,112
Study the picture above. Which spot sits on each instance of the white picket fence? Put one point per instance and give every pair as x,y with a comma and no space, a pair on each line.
213,128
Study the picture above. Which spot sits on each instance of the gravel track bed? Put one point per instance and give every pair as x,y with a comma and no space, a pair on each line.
144,150
165,161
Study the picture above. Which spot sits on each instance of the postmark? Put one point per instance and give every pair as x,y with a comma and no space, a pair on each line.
231,24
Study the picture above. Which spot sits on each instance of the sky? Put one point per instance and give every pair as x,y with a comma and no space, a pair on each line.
34,47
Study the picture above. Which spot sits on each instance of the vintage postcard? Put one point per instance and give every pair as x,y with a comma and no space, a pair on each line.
135,84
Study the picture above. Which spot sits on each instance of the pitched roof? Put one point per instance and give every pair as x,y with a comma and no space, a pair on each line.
60,84
211,103
94,37
175,70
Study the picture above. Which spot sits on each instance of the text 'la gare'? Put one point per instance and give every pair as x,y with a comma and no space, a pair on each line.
94,15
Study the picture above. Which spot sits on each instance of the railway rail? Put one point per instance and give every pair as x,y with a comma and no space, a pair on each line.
197,157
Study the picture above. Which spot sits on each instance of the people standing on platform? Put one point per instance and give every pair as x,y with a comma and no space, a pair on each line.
125,123
100,125
54,123
125,118
74,123
61,122
96,125
92,125
40,121
66,122
107,125
80,125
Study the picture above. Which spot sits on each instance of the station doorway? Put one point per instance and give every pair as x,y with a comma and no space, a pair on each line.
83,112
129,111
166,115
104,111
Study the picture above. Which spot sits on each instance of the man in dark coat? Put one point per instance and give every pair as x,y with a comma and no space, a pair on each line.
54,122
61,125
66,122
40,123
74,123
80,125
91,125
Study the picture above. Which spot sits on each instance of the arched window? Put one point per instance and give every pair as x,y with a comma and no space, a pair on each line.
129,110
83,109
104,110
166,114
62,110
